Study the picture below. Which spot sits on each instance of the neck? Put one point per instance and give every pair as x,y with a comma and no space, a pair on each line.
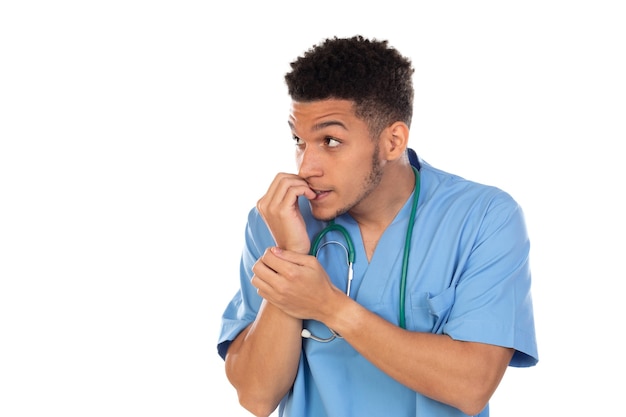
378,210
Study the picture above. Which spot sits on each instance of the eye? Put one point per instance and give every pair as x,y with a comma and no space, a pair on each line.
297,140
332,142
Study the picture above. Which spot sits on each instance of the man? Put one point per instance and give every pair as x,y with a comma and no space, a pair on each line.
438,304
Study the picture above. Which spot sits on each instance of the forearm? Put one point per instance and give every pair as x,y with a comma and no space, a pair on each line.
262,361
461,374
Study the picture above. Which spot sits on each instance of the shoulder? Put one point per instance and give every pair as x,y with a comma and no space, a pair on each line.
476,208
451,191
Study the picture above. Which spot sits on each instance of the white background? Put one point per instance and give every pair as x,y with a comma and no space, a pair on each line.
135,136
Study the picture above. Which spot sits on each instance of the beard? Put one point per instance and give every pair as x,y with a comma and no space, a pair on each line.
371,182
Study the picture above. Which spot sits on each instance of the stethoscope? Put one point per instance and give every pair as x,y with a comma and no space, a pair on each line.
317,245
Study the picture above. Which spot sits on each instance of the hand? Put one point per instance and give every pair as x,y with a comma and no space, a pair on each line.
295,283
280,211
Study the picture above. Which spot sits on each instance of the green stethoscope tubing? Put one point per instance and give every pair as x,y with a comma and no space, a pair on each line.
407,249
405,256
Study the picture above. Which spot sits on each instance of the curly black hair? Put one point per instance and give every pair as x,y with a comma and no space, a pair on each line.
375,76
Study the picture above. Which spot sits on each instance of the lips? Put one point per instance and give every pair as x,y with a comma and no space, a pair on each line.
320,194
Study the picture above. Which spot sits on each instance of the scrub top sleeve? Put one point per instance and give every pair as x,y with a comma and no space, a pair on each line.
244,306
493,300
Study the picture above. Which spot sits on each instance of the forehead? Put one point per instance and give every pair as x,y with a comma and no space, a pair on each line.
313,113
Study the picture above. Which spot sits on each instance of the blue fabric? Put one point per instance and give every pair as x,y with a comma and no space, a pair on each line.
468,277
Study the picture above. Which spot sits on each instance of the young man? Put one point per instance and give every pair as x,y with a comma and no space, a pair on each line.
438,304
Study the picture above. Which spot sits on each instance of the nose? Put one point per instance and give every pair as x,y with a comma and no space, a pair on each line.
308,162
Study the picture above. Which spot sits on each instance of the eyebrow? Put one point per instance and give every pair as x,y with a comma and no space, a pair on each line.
323,125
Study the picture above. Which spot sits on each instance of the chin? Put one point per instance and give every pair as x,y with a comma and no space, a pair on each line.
321,215
326,215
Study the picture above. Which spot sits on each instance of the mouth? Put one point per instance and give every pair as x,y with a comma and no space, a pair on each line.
319,194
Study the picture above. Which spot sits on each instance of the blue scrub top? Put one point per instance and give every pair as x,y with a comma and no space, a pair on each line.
468,277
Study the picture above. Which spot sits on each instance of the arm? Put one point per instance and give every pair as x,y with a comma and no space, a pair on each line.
262,361
461,374
489,322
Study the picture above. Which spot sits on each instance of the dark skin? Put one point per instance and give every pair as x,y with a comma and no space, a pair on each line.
332,143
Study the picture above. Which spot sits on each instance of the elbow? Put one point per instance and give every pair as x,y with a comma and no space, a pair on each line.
254,394
255,399
257,407
478,387
476,397
473,408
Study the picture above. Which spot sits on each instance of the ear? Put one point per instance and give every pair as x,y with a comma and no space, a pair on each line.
394,140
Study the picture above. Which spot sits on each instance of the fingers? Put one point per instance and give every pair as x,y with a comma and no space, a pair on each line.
275,266
293,282
287,262
279,209
263,277
281,197
289,256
